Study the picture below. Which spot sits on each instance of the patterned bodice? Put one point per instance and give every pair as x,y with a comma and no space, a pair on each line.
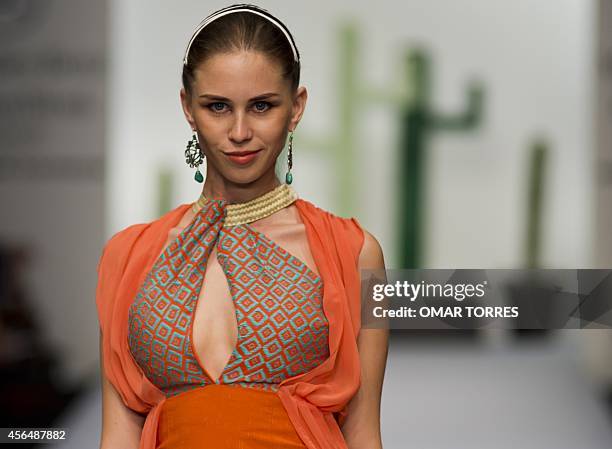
282,330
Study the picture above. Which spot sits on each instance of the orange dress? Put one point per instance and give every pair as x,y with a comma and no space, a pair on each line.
281,332
314,401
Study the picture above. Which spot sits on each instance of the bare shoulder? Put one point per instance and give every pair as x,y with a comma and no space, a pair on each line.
371,255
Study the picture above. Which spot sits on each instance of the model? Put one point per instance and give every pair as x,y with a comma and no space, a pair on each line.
234,321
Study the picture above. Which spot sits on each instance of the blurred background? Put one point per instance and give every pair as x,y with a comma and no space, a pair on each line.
462,134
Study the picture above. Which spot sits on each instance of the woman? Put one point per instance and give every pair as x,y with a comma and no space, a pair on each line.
234,321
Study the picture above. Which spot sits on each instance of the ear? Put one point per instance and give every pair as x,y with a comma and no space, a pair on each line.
186,104
299,104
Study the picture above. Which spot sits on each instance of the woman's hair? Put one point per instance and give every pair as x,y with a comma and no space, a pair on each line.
242,31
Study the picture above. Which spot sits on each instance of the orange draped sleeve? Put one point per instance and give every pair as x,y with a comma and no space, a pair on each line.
315,401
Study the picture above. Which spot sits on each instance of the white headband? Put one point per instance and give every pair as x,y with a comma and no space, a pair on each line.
241,8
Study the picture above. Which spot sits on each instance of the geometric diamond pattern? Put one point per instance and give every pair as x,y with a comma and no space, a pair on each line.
282,330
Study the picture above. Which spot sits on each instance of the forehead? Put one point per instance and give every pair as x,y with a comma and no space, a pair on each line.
238,74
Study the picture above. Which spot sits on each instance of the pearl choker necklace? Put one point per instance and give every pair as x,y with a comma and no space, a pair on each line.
255,209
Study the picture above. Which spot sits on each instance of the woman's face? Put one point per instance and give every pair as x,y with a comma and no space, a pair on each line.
242,109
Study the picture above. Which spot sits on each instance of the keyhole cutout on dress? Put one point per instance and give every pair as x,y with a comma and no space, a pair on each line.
215,329
214,326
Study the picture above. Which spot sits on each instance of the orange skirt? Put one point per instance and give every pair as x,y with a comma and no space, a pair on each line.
226,417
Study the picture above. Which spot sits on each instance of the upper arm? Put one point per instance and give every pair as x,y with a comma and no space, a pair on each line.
371,256
121,426
362,425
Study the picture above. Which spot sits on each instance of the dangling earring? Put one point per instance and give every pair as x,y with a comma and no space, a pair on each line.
194,156
288,175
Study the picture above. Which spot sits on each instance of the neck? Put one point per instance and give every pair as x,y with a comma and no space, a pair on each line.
218,187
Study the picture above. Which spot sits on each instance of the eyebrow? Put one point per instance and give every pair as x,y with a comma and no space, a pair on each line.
258,97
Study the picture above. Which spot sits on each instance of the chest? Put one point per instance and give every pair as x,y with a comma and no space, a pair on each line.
229,305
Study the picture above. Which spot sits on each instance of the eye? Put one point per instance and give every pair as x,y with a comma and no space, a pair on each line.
217,106
260,103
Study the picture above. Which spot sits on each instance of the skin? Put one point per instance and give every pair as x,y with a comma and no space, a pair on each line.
239,123
226,108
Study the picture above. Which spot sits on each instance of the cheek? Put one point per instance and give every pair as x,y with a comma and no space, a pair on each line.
273,131
201,120
274,136
275,142
211,131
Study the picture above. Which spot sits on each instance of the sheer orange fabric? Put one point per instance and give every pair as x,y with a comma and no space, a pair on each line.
314,401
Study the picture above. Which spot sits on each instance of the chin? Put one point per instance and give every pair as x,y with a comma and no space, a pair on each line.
244,176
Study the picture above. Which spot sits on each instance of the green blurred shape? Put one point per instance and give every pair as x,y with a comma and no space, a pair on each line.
410,99
538,158
165,187
419,122
339,145
349,103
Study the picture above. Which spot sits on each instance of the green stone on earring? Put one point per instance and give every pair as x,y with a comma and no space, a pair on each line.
288,178
198,176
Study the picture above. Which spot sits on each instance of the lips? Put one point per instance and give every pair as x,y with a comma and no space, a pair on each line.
241,153
242,157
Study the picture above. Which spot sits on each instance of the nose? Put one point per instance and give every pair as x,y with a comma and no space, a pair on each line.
240,129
